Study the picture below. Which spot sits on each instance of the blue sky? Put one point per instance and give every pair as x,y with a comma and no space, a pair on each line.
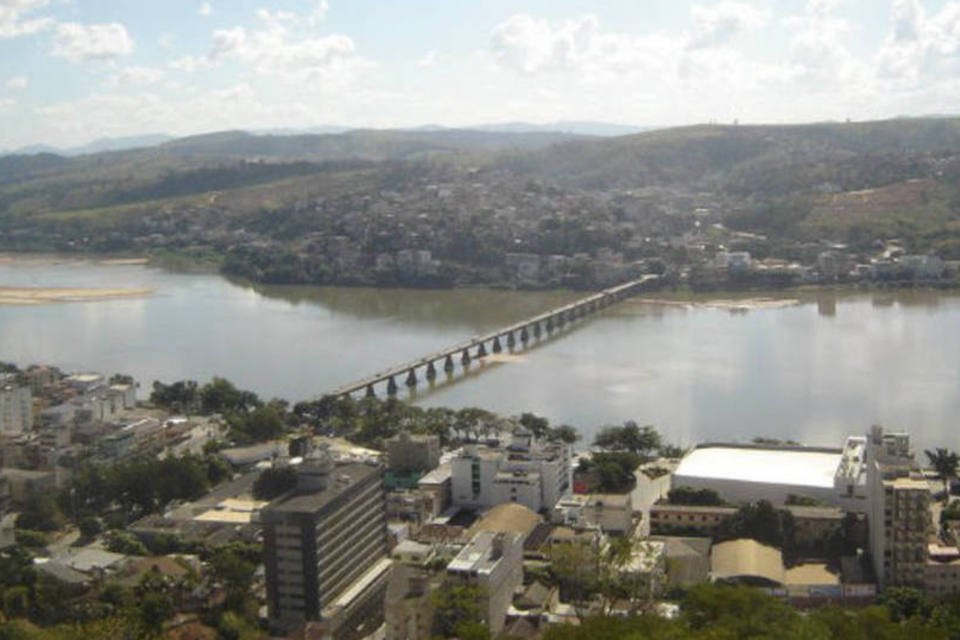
75,70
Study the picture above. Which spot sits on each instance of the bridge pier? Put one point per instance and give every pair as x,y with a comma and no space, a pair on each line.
536,326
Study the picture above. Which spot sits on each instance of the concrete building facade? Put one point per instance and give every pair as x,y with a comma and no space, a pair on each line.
16,409
407,453
528,472
494,563
325,550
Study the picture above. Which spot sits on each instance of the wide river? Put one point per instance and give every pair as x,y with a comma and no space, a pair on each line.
811,367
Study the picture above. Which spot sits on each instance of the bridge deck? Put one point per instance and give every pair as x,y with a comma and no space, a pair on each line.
458,348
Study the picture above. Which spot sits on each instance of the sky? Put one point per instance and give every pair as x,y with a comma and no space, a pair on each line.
75,70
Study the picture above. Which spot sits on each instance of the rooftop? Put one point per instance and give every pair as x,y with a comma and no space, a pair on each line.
507,518
342,478
813,573
481,554
745,558
807,467
438,476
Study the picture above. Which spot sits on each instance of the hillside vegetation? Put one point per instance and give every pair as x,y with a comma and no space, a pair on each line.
341,202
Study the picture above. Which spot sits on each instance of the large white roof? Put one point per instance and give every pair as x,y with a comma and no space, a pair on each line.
792,467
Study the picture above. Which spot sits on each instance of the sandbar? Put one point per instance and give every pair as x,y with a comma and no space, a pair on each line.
51,295
721,303
503,357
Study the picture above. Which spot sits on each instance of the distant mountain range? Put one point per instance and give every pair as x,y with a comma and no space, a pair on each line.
597,129
96,146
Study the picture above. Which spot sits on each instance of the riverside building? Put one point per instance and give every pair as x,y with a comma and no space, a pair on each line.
527,471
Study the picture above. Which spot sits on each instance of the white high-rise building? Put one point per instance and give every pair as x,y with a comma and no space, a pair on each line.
899,514
526,471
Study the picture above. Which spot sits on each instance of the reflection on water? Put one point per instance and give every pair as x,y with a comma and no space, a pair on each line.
809,365
422,306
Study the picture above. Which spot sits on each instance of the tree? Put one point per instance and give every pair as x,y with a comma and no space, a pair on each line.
630,437
221,396
944,462
471,422
691,496
90,527
273,482
260,425
181,479
125,543
153,611
456,607
671,451
760,521
612,470
575,567
618,581
742,611
535,424
41,514
179,396
904,603
234,566
564,433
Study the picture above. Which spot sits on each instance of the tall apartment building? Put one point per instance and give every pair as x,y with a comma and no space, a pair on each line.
325,550
526,471
899,513
16,409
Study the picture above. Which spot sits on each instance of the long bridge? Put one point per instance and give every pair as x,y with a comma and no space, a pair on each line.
477,347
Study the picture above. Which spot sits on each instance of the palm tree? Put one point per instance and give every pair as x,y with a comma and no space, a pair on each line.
944,462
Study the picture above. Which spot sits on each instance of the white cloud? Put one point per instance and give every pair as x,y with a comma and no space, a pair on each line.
278,48
136,76
17,82
13,22
319,13
80,42
531,45
205,9
579,50
719,23
428,60
921,50
189,64
819,57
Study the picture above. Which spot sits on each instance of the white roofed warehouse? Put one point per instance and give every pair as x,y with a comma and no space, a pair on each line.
748,473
